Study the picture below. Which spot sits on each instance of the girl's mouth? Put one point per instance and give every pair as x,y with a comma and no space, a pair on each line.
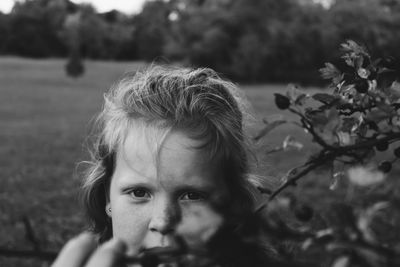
155,256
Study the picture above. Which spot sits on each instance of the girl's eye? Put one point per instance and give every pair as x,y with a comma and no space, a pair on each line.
139,193
193,196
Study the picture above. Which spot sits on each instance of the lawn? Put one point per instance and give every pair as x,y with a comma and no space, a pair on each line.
45,118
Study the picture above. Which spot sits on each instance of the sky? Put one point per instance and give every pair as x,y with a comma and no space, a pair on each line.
126,6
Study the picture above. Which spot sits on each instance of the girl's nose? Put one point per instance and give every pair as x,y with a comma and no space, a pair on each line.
165,216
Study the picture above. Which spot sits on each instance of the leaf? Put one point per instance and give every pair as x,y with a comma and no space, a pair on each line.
273,150
371,257
324,98
336,177
365,218
342,261
387,108
295,95
349,60
358,63
293,92
330,71
281,101
318,118
396,121
307,244
365,175
291,142
344,138
326,124
350,46
394,91
349,124
333,119
324,234
269,126
301,99
377,115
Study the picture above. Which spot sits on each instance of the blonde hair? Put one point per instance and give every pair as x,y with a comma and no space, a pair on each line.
196,101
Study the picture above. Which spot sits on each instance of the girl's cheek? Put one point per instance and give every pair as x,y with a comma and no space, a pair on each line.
199,223
131,225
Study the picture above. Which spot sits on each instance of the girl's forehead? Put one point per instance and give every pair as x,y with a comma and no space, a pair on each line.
152,145
143,140
152,139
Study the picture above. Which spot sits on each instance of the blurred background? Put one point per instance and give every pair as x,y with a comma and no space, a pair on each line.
58,57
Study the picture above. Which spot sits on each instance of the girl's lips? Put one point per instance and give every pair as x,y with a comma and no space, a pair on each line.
164,255
162,250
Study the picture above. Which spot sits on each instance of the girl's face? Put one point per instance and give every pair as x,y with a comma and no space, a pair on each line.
149,199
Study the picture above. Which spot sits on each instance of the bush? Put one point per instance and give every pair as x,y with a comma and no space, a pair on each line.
74,67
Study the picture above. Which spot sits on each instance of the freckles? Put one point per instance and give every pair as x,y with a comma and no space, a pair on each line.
130,224
131,227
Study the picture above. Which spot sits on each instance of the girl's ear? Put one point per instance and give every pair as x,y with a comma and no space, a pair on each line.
108,209
108,204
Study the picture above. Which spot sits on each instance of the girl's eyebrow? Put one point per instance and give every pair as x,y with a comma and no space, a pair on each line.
207,188
140,181
125,185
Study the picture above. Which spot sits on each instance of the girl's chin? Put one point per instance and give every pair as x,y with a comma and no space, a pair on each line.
132,251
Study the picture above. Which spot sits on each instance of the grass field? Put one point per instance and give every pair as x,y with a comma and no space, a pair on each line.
44,121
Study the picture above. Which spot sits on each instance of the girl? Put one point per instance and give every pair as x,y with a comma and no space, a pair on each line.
170,164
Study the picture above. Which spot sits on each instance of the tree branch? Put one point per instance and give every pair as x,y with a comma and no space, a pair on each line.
308,166
292,180
370,143
308,126
324,156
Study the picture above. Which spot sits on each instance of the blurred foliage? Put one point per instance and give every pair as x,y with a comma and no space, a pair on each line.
267,40
353,125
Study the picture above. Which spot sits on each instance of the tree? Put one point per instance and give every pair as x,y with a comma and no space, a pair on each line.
258,42
33,26
151,27
73,36
4,32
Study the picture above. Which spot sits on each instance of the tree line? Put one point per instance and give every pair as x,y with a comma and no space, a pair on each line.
250,41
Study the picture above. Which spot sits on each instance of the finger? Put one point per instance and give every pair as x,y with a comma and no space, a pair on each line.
76,251
108,255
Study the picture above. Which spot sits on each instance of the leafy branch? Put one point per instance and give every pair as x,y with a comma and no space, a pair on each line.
357,120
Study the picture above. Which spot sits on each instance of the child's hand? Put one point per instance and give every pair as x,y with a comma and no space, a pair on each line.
82,251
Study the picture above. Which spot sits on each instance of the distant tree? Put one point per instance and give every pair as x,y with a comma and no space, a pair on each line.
4,32
267,40
204,33
33,28
74,67
261,41
101,37
72,35
151,28
368,21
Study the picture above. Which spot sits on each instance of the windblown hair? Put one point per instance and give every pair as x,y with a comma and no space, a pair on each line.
195,101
